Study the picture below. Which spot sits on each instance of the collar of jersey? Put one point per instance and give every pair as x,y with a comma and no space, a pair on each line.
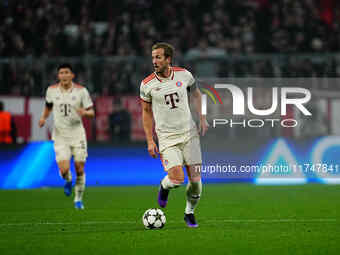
171,76
66,91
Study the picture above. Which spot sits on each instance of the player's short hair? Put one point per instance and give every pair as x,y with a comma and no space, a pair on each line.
1,106
168,48
65,65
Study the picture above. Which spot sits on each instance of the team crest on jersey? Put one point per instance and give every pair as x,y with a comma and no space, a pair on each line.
166,162
179,84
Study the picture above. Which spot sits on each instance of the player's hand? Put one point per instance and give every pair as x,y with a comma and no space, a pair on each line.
204,125
81,112
152,149
42,122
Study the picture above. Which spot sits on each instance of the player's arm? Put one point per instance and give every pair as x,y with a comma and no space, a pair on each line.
87,105
196,96
88,112
45,114
148,125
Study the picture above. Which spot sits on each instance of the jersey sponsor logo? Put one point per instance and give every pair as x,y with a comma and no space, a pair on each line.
172,99
65,109
179,84
158,89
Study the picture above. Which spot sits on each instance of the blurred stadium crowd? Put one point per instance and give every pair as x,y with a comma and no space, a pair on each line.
109,42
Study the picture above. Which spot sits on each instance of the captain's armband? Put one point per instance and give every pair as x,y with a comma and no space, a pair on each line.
49,105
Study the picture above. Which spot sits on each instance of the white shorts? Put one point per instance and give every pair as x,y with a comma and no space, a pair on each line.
64,149
187,153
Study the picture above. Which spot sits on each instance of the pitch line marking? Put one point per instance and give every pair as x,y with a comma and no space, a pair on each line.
273,220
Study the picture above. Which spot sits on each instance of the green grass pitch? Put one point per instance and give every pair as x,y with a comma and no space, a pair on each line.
233,218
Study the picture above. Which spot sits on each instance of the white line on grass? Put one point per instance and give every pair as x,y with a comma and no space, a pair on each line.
210,221
272,220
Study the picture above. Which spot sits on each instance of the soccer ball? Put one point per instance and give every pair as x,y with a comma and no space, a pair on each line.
154,218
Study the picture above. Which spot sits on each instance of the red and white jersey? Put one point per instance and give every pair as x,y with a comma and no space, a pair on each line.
170,104
67,122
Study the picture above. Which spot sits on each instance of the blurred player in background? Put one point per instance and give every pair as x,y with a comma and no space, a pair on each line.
8,131
165,99
69,103
120,122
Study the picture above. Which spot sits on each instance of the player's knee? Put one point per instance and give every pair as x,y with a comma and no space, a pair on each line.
80,171
79,168
177,180
64,167
64,171
176,176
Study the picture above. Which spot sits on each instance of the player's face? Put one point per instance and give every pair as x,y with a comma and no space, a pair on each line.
65,75
159,61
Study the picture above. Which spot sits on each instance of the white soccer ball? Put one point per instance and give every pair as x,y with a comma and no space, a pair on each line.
154,218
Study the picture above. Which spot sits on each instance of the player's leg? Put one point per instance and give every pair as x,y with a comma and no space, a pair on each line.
63,155
193,161
65,173
172,161
64,170
193,193
79,151
173,179
79,187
